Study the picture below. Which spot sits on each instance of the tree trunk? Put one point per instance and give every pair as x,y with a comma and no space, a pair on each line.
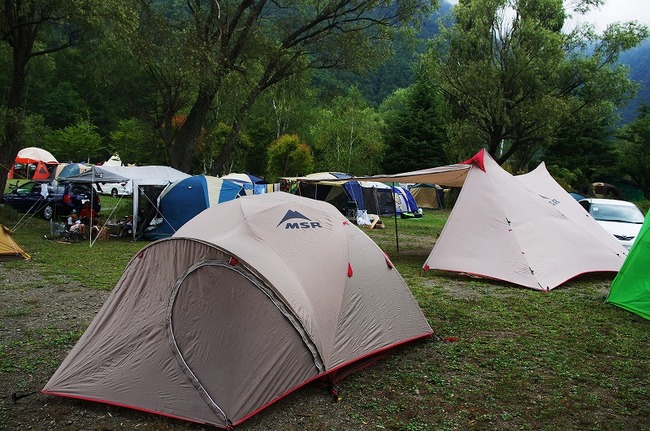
15,116
182,148
219,166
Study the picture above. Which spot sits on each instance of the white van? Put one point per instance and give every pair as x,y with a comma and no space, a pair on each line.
115,189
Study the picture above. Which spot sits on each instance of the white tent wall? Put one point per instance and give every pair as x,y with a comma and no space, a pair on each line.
534,238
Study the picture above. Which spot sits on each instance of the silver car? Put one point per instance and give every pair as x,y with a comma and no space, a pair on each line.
620,218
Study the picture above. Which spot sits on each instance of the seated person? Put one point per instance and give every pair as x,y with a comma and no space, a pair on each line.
87,214
74,224
126,227
88,217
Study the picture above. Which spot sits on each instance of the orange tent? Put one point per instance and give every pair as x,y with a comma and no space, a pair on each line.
38,156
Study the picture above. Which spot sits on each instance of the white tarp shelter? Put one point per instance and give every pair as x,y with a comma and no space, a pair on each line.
523,229
138,176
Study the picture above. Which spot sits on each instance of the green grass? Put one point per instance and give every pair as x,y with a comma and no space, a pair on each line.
503,358
97,267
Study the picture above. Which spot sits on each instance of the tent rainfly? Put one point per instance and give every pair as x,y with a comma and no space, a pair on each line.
34,154
222,319
250,183
524,229
630,289
341,189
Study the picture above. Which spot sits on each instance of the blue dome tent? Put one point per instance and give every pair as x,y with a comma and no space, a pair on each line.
184,199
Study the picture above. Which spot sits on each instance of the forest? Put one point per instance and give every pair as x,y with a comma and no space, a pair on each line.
288,88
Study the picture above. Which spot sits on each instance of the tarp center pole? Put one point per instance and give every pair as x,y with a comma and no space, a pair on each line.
92,206
395,216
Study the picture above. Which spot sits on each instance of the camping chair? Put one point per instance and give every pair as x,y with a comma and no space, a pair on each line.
65,234
350,210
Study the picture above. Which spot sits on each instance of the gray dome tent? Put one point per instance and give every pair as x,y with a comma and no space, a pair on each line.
248,301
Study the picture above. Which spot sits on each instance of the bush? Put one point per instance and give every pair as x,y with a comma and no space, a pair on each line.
8,215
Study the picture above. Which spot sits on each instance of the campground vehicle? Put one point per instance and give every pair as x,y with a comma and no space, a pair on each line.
51,198
115,189
620,218
605,190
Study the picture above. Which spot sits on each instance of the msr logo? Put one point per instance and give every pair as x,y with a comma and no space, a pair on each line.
553,202
290,223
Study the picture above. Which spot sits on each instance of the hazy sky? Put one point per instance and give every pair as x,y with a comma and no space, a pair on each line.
615,11
620,10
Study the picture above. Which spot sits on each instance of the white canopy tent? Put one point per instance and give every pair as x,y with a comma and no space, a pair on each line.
139,176
523,229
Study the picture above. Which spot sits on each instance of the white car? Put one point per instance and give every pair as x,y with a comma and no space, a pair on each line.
115,189
620,218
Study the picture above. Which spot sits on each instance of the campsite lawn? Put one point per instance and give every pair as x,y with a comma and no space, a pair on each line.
502,357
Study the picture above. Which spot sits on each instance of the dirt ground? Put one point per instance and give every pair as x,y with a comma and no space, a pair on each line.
39,324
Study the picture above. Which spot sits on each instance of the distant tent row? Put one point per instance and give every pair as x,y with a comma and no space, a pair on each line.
346,193
47,167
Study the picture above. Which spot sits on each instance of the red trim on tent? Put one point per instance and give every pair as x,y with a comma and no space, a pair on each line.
233,261
349,270
426,267
333,370
317,377
388,261
477,160
111,403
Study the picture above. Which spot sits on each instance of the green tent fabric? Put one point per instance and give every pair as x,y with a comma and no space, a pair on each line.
631,287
